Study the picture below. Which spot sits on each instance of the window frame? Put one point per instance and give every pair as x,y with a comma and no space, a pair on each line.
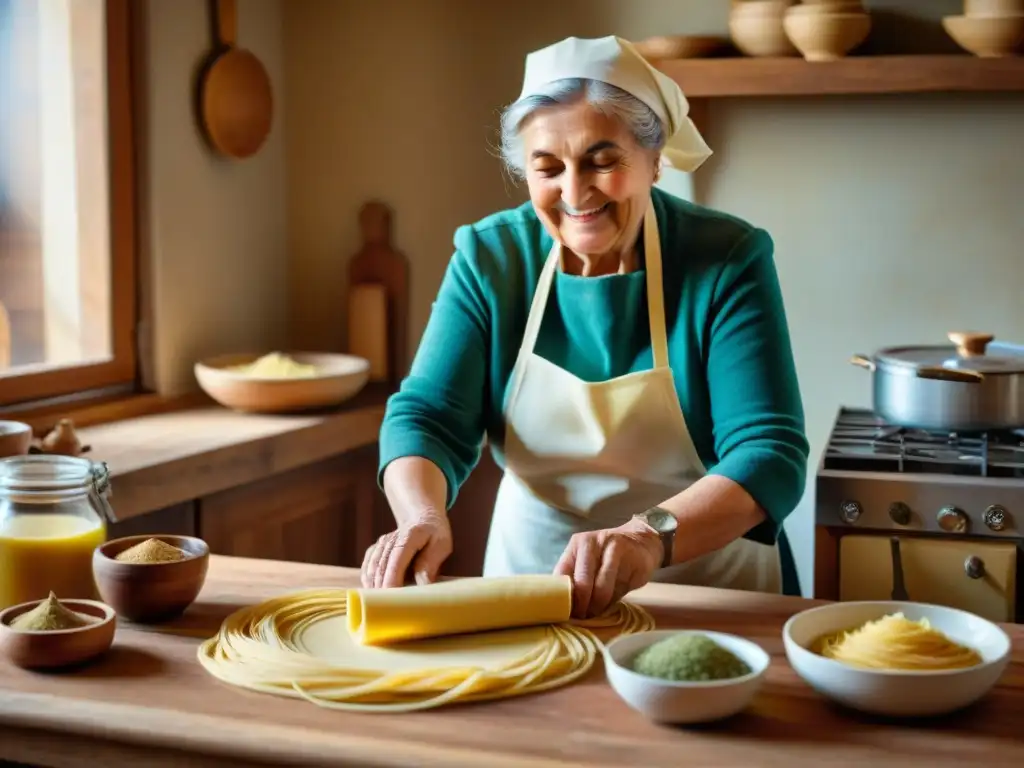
42,383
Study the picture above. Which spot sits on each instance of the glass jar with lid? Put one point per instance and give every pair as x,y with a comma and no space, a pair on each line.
53,513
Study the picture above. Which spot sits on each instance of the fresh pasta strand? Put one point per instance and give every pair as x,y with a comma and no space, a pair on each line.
894,642
261,648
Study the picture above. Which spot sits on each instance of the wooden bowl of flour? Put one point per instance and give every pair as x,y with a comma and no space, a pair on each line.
150,592
334,378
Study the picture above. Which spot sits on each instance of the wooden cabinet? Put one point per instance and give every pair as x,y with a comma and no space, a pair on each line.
328,512
933,572
178,520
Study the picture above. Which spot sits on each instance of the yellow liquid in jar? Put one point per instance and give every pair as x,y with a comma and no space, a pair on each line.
48,552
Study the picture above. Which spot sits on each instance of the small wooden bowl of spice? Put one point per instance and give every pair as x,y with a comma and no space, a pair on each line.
150,578
50,633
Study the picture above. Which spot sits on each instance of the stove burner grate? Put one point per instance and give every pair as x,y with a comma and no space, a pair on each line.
862,441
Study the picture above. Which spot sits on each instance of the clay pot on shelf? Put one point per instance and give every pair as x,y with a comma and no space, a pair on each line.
755,27
989,29
823,35
994,8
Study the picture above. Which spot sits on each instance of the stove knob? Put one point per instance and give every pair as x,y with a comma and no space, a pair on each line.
995,517
974,567
899,513
952,520
850,511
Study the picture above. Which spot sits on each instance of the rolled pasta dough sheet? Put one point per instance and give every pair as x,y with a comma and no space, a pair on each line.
381,616
329,641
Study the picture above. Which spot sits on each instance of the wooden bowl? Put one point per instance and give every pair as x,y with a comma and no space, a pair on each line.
755,28
993,7
56,648
15,438
988,37
150,592
660,47
340,378
827,36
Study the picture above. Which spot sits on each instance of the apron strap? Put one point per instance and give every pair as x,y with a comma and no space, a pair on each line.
655,289
533,320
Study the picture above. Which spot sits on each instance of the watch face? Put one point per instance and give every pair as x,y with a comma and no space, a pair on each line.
661,521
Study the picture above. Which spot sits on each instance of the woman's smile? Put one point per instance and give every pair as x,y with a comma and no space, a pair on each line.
587,216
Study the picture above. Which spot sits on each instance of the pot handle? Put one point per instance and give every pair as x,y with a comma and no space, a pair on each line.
970,344
863,361
962,375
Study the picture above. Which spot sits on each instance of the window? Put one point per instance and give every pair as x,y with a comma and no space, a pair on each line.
67,200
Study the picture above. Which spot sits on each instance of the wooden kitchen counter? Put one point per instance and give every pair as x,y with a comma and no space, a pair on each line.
149,702
168,458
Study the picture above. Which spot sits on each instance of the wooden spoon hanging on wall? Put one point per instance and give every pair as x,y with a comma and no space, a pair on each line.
236,104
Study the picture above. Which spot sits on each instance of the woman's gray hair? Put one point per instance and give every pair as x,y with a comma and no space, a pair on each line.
640,119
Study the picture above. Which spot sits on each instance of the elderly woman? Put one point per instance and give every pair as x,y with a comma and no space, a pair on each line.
625,352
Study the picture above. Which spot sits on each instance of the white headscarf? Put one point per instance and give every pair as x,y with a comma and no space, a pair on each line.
616,61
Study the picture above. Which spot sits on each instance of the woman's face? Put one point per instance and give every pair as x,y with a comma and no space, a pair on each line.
589,180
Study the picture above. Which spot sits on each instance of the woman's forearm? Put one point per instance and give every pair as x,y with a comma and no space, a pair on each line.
711,513
415,487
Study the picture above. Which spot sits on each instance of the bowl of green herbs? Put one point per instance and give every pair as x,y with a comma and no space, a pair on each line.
685,676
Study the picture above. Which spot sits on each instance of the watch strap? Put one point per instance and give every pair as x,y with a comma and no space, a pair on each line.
667,537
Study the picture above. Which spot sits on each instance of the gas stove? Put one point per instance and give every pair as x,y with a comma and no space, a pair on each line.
875,476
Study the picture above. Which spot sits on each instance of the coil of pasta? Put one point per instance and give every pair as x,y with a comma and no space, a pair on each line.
378,616
894,642
473,642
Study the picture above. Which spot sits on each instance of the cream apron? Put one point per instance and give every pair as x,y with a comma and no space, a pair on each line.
585,456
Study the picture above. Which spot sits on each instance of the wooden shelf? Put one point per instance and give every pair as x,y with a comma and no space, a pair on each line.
712,78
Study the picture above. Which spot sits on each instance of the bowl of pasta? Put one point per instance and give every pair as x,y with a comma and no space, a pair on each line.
896,659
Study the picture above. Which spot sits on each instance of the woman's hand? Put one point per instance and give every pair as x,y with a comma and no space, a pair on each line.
605,565
423,542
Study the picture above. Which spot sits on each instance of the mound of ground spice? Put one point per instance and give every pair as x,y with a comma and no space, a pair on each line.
51,615
151,551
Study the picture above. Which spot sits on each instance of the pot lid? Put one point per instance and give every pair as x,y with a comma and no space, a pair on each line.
969,352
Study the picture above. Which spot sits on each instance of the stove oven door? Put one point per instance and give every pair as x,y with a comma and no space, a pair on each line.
975,576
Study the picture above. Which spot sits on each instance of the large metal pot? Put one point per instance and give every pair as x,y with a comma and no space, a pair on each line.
974,385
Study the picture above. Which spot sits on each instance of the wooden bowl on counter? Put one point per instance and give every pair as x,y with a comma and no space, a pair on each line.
988,37
15,438
150,592
55,648
339,377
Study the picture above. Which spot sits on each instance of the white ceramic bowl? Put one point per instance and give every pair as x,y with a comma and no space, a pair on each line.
896,693
667,701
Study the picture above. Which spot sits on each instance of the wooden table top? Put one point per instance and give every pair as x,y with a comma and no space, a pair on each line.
149,702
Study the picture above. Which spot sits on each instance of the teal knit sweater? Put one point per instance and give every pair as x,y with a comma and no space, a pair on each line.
729,348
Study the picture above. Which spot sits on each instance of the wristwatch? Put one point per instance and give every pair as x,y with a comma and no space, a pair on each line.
664,523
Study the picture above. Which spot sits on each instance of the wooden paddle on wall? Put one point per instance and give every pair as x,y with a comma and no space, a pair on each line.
235,101
5,338
378,297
